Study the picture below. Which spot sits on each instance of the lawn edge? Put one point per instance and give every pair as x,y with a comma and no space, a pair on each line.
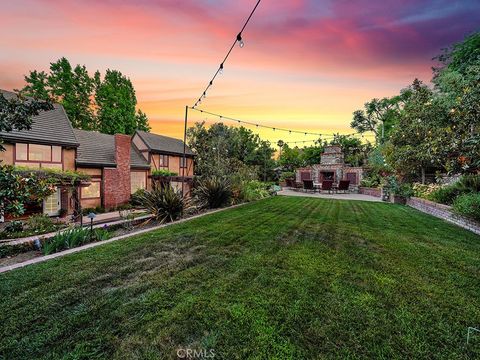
41,259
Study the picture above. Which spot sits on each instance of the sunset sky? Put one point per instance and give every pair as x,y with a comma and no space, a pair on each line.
306,64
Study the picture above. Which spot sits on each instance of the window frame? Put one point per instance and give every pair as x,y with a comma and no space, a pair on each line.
183,166
161,162
145,174
99,190
28,160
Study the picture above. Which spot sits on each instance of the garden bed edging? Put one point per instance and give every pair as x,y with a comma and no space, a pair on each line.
443,212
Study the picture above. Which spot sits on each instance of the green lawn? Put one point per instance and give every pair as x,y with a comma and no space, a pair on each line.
281,278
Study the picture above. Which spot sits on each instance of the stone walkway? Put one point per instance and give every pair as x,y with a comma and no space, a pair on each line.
348,196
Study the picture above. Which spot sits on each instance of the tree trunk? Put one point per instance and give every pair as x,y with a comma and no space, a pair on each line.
423,175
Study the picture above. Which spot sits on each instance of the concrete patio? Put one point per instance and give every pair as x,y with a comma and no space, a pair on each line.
347,196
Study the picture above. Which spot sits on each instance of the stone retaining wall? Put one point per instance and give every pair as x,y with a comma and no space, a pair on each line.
443,212
377,192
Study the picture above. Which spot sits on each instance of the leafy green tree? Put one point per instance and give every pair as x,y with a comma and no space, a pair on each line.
71,87
379,116
142,121
311,154
354,151
418,142
224,150
116,101
37,85
114,108
459,56
17,113
291,158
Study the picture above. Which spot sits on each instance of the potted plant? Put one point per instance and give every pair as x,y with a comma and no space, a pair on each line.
290,175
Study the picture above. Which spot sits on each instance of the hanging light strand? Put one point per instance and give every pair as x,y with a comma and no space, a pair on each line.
257,125
241,43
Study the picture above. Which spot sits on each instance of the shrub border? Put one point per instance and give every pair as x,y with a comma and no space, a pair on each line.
99,243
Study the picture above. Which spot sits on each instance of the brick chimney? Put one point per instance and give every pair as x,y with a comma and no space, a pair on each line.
117,180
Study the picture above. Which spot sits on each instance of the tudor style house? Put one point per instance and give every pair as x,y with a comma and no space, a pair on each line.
118,164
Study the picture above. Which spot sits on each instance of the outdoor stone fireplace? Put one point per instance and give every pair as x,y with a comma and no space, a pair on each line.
332,167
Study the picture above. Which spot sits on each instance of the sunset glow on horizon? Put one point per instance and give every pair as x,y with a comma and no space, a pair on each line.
306,64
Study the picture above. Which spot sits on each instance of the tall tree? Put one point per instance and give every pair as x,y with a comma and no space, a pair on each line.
379,116
224,150
113,109
419,142
116,101
71,87
354,151
459,56
142,121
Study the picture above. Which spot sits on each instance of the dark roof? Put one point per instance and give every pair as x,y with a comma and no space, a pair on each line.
49,127
97,149
163,144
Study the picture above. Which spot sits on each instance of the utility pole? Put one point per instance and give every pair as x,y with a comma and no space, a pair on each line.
184,151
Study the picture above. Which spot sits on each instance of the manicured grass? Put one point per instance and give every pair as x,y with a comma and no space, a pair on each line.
282,278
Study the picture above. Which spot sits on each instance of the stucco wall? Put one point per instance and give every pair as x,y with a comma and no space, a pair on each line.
6,157
68,159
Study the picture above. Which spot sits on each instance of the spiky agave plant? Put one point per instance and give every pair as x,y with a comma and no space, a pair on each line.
164,203
213,192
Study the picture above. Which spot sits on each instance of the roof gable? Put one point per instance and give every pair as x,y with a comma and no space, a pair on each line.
163,144
97,149
49,127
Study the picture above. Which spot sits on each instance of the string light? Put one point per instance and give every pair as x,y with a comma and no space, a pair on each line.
240,40
290,131
241,44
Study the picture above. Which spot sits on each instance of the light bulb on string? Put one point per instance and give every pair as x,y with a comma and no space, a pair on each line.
241,43
220,71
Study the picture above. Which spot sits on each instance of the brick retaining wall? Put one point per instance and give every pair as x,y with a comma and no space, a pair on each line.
377,192
443,212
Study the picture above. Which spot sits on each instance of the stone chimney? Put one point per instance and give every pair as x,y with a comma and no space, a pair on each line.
117,180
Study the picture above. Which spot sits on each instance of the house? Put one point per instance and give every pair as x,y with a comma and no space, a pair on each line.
118,164
332,167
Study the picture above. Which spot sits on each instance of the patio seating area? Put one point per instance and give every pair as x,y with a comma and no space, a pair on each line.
328,195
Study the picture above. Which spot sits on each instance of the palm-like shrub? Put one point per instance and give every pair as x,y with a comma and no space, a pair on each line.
213,192
164,203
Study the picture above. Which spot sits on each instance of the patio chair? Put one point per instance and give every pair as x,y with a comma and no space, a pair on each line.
308,185
343,185
327,185
290,183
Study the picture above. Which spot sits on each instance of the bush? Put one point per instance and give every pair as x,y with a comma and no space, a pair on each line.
469,183
136,196
163,172
72,238
468,205
213,192
165,204
40,223
424,190
254,190
14,227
